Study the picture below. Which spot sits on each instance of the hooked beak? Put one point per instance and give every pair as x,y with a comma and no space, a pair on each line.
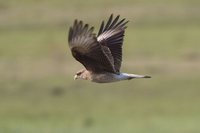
75,77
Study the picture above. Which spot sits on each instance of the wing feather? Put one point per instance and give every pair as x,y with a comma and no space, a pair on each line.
111,35
86,49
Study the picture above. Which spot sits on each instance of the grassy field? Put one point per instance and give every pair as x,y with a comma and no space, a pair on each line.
37,90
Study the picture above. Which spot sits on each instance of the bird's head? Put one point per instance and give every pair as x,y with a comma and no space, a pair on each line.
80,75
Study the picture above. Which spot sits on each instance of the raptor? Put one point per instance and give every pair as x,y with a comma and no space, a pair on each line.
100,54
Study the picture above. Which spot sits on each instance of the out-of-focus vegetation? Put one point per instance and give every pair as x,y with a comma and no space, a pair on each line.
37,90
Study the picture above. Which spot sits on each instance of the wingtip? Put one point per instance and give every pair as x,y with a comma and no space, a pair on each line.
75,21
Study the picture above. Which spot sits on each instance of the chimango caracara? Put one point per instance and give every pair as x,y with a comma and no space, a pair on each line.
101,55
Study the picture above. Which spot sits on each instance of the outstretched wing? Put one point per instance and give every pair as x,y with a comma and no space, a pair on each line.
86,49
111,35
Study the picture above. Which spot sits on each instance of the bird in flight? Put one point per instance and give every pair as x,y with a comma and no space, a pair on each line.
101,55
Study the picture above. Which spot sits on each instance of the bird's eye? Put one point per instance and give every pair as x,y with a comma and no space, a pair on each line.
78,73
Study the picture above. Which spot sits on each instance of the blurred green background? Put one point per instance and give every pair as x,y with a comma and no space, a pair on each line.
37,90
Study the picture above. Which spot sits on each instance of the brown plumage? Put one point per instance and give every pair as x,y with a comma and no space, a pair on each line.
102,54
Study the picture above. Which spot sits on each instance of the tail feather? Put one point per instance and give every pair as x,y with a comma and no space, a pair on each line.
131,76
